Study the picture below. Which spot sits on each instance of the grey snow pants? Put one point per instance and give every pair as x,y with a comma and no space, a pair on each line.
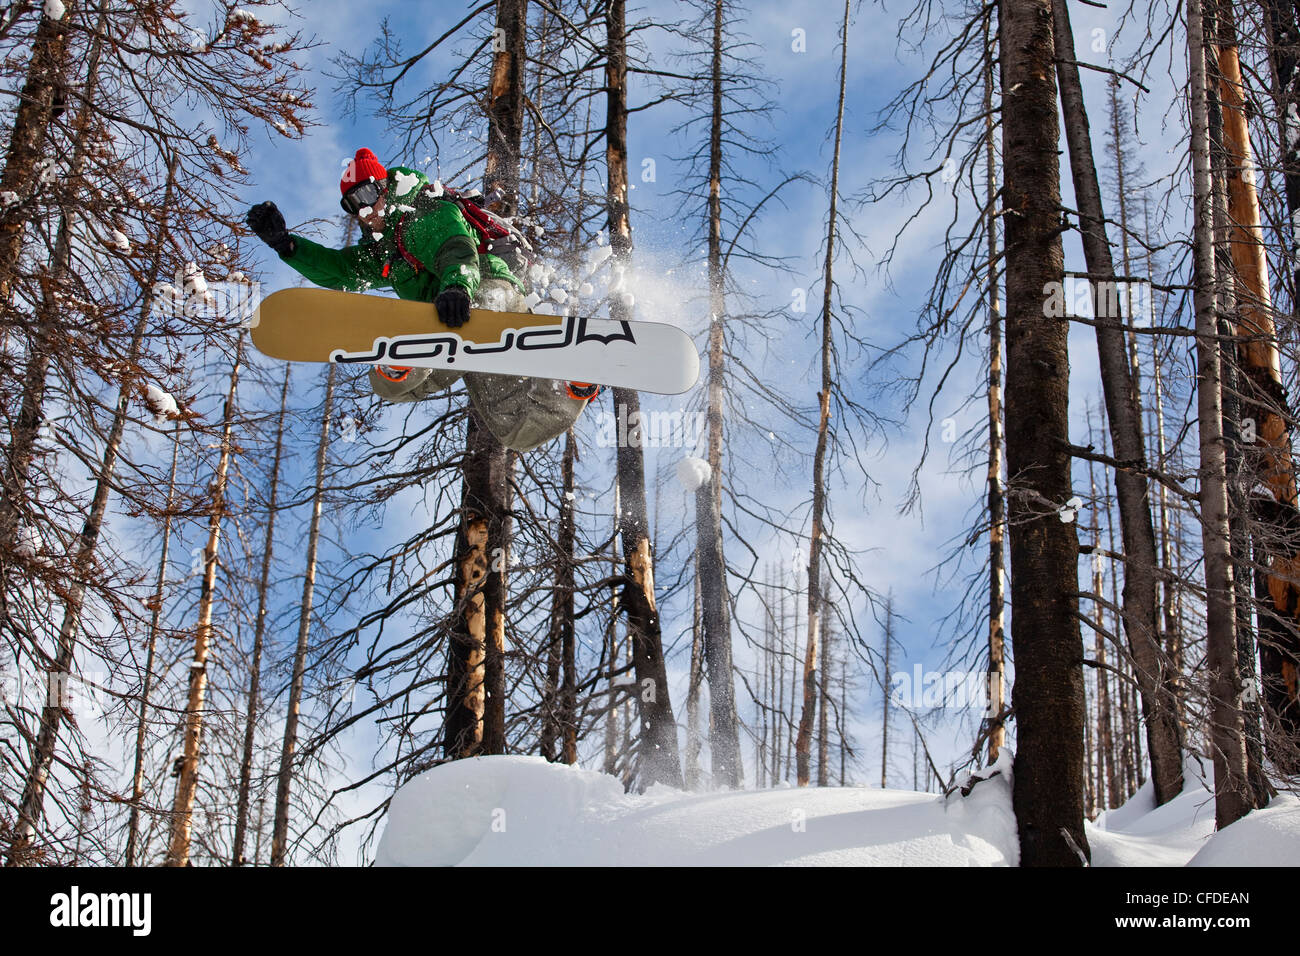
521,412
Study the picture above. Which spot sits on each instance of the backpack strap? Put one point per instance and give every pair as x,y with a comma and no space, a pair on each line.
490,229
399,234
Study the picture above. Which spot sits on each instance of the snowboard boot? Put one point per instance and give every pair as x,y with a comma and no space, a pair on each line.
582,391
402,384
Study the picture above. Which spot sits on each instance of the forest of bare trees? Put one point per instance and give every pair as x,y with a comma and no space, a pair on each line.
243,602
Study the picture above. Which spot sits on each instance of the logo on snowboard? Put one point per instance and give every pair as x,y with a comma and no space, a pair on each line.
571,333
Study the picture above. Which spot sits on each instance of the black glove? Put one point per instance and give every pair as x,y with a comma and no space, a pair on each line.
453,307
268,225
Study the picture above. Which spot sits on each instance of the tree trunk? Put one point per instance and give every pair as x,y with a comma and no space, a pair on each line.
1269,458
475,717
612,644
657,742
178,849
155,608
505,98
284,780
32,804
1159,715
810,678
1225,731
658,759
996,499
1108,788
1124,699
696,677
27,138
1048,690
823,705
27,144
559,717
715,615
1284,53
884,718
723,734
1173,638
480,591
259,632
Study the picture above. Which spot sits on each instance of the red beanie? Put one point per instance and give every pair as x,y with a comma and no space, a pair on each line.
366,166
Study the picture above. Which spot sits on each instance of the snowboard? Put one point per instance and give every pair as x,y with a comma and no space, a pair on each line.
322,325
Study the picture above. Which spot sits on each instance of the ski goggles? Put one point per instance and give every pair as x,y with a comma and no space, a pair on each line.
360,196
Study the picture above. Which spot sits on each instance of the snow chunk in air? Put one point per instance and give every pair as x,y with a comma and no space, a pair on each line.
693,472
405,182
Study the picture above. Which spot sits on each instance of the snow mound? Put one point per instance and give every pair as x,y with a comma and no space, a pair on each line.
487,810
522,810
1138,833
1267,837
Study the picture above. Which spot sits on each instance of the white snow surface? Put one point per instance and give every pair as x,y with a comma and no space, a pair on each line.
1181,833
54,9
513,810
1267,837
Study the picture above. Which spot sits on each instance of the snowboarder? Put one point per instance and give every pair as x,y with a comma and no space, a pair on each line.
419,243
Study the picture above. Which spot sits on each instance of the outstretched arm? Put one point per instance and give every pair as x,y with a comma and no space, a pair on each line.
350,269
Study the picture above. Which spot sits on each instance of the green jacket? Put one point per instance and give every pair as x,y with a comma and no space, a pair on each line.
435,233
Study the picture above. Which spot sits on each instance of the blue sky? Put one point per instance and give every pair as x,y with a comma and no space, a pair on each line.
899,552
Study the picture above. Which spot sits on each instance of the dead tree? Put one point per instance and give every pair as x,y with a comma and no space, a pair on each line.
151,650
1159,714
996,493
658,761
815,600
1226,731
475,718
178,849
259,633
284,780
1265,404
1048,691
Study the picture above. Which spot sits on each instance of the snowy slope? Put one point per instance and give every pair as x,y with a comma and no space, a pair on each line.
1268,837
492,811
1141,834
515,810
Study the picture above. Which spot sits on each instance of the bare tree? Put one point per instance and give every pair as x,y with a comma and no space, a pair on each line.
1048,691
1226,732
658,759
1124,417
815,602
178,850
